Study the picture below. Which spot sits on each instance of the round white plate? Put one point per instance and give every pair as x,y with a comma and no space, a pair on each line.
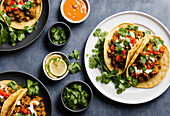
132,95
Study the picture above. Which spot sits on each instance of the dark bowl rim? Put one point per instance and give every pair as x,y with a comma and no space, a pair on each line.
30,75
83,109
50,39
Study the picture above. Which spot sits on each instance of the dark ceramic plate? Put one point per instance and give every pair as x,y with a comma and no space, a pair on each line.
30,38
21,78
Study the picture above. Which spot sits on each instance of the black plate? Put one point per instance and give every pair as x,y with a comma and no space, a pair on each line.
30,38
21,78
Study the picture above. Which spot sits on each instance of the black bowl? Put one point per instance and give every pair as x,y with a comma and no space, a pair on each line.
85,87
60,25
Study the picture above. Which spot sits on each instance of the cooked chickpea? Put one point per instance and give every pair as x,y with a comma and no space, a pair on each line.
27,18
109,51
38,1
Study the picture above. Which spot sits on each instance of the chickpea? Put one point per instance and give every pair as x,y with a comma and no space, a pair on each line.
38,1
27,18
109,51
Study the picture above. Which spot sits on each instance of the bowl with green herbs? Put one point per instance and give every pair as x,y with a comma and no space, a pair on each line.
59,34
76,96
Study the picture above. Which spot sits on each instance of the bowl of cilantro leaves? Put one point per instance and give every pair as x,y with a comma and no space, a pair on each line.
59,34
76,96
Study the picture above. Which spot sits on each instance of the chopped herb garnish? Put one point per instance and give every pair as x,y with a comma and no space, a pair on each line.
118,49
147,32
157,41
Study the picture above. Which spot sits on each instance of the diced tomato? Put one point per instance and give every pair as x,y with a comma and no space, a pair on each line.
134,42
6,95
150,49
147,53
122,40
11,3
126,36
2,92
114,38
154,52
112,47
136,75
123,52
25,111
22,109
20,2
145,66
16,8
153,64
131,39
118,58
162,49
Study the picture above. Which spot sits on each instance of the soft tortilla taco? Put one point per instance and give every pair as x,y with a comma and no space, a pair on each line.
23,12
28,105
150,63
9,91
120,45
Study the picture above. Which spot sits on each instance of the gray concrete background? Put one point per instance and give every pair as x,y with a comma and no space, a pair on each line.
30,58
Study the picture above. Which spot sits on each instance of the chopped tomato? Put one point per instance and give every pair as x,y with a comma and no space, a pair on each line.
126,36
6,94
118,58
147,53
20,2
25,111
112,47
136,75
134,42
114,38
122,40
150,49
34,104
154,52
11,3
153,64
22,109
123,52
16,8
2,92
162,49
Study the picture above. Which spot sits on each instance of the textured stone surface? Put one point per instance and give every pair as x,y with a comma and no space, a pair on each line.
30,58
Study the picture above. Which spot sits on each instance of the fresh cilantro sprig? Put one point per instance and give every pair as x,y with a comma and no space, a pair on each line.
97,60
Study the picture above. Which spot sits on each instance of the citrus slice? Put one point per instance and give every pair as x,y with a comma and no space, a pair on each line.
50,58
58,68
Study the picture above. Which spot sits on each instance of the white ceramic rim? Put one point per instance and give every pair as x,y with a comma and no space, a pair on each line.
71,21
57,79
112,16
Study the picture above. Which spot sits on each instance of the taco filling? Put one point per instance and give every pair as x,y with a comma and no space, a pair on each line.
147,63
28,106
122,41
6,91
20,10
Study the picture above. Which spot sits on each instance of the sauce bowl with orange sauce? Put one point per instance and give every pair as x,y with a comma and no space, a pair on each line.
75,11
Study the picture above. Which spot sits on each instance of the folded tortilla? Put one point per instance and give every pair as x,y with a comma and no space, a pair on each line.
164,61
10,100
108,60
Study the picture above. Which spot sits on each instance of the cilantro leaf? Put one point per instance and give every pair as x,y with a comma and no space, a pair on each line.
147,32
143,59
130,27
122,32
118,49
92,63
155,48
97,32
136,28
126,42
157,41
135,82
132,69
74,67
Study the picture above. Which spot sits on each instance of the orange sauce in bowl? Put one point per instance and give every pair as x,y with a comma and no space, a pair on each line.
75,10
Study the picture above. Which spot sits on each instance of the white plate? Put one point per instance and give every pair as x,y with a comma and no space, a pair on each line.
132,95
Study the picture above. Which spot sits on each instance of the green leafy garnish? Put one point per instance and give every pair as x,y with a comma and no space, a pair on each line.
136,28
19,114
157,41
143,59
27,5
122,32
33,88
132,69
147,32
92,63
118,49
74,96
126,42
135,82
58,36
130,27
74,67
14,85
155,48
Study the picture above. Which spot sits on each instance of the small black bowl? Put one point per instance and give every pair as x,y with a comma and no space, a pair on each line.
60,25
85,87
